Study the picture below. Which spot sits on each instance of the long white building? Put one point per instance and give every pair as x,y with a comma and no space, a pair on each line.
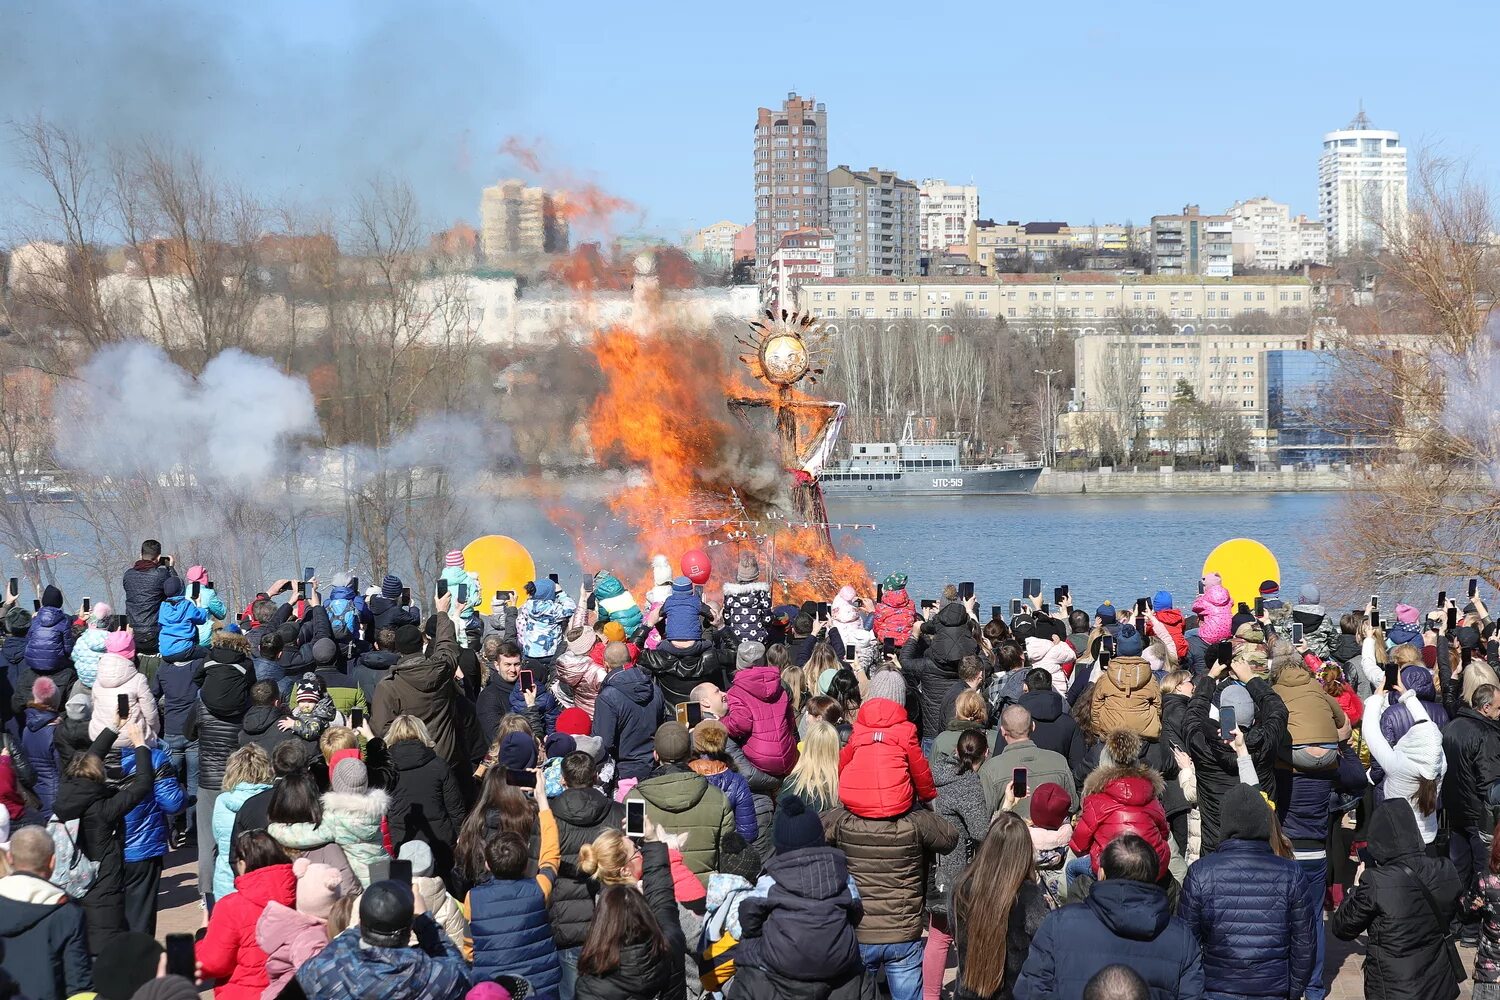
1361,186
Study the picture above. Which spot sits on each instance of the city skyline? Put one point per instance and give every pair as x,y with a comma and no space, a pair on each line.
1072,124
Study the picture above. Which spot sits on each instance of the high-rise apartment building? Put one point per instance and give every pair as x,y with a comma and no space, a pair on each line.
791,173
946,211
716,242
1361,186
1267,236
875,218
516,219
1192,243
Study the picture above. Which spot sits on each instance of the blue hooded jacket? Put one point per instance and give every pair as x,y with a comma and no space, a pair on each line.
178,619
37,735
626,714
146,824
49,643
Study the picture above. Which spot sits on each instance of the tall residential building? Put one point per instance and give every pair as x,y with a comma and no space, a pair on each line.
875,220
516,219
947,210
1192,243
1266,236
1361,186
791,173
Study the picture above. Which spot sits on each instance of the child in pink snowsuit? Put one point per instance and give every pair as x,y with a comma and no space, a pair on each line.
1214,611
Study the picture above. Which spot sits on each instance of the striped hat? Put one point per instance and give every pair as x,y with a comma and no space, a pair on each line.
390,587
454,558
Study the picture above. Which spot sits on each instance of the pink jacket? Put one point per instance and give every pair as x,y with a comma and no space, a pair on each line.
117,676
1055,658
760,720
1215,613
583,677
289,938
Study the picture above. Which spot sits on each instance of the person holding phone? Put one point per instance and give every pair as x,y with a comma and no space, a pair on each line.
41,928
200,590
426,802
934,656
635,944
421,684
143,583
178,620
49,648
120,695
92,643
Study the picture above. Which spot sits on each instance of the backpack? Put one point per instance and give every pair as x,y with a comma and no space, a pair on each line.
72,871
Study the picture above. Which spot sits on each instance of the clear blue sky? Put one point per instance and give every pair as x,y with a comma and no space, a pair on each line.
1076,111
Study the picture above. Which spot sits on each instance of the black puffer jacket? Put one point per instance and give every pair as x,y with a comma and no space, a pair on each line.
426,803
143,596
1471,744
930,660
640,975
1217,770
678,670
1055,728
581,814
1406,951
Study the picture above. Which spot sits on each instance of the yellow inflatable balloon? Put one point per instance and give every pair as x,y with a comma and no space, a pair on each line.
1243,564
501,563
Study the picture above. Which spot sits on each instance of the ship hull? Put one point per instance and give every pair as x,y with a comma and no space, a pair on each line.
928,483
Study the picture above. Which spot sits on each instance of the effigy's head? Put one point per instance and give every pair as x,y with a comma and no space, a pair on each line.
786,347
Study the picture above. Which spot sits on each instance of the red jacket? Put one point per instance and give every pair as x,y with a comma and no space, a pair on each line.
883,748
894,617
230,950
760,720
1121,800
1170,620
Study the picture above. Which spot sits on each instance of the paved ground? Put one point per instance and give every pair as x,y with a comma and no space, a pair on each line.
180,914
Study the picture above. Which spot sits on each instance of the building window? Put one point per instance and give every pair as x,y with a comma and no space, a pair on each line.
1150,296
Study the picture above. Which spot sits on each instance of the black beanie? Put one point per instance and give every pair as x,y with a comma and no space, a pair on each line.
51,597
408,640
796,826
1244,815
385,914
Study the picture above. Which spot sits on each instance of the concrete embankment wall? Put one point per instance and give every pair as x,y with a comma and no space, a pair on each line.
1166,480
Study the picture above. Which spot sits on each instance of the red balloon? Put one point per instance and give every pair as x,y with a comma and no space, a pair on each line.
695,566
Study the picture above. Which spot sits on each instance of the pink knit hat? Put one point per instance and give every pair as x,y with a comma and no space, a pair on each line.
318,887
454,558
121,644
487,991
197,574
1406,614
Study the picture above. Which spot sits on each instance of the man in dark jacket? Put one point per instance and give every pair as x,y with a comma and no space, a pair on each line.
262,722
386,610
45,949
224,679
889,860
1250,909
931,659
504,656
144,593
175,687
1055,729
422,684
1405,900
582,813
1261,716
678,666
374,665
1471,744
626,714
1126,919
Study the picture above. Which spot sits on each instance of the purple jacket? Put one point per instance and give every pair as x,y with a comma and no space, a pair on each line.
760,720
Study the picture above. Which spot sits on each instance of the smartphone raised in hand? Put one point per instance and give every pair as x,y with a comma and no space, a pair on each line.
1227,723
965,590
1018,782
1058,593
888,646
88,605
308,574
182,957
553,578
1031,586
527,680
356,718
1297,633
1473,587
1015,606
1442,601
463,593
1452,619
122,706
301,590
442,588
635,818
195,589
406,597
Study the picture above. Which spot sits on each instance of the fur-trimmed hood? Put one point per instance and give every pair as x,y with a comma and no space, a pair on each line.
371,805
1104,774
736,589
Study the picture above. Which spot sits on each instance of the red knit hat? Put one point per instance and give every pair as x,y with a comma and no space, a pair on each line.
1049,806
574,722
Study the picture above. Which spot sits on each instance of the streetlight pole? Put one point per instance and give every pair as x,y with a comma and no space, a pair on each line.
1047,437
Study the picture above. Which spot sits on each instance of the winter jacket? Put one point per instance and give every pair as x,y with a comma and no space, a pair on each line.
1057,658
1471,745
1174,709
1396,721
581,815
143,596
49,643
1419,755
315,843
960,801
218,738
354,823
1250,912
736,791
38,733
289,937
425,802
441,905
177,625
889,859
118,676
86,652
1027,912
423,686
146,824
583,678
1168,628
679,669
45,945
230,950
540,623
642,975
1313,715
895,617
881,768
175,686
1215,611
1120,799
369,669
930,659
625,720
349,970
1041,766
1055,728
803,927
946,744
226,806
747,611
1216,767
1126,696
1405,951
616,604
681,801
262,727
760,720
511,933
1121,922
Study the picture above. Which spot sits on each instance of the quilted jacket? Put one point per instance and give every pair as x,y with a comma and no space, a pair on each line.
883,746
1118,800
760,720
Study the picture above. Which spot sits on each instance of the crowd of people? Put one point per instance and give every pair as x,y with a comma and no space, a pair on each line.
601,797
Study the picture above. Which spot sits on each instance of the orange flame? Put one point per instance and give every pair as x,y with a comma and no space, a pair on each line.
582,203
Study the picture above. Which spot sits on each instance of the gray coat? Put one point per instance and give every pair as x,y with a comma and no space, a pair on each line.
960,801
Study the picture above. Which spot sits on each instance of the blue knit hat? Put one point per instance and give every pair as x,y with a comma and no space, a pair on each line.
544,589
796,826
1106,611
1161,600
1128,642
682,585
390,587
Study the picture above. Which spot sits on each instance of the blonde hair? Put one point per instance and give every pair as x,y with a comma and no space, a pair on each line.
816,774
1173,680
407,729
336,738
342,914
1406,655
605,859
796,687
970,707
248,765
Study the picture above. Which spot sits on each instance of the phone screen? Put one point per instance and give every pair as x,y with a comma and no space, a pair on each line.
197,589
1018,782
122,706
182,957
823,611
527,680
1296,632
442,588
888,644
1466,655
400,871
682,712
308,573
965,590
693,714
1103,658
1374,600
88,605
301,590
1140,605
520,779
1260,606
635,818
849,651
463,593
1392,676
356,718
1058,593
1374,619
119,623
499,597
36,605
1227,722
1015,606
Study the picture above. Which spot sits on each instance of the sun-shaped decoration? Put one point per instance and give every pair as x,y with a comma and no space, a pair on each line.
785,347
